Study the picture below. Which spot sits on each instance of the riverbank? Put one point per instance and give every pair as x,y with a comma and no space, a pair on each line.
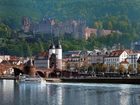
103,80
114,80
53,79
7,78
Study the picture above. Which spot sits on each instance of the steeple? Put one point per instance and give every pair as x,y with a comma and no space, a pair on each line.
51,49
58,45
52,46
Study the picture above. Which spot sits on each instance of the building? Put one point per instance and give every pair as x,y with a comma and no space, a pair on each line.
88,32
85,58
50,59
133,60
97,58
4,57
72,60
116,57
68,28
26,24
58,52
41,61
136,45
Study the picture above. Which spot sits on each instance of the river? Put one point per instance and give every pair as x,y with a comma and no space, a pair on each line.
13,93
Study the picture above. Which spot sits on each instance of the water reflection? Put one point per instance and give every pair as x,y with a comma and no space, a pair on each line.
13,93
6,92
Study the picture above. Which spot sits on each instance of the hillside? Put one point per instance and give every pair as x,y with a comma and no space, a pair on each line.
122,15
67,9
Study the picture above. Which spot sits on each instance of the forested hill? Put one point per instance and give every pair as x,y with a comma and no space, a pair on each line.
122,15
13,10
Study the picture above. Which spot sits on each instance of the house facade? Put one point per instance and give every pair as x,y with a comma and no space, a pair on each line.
72,60
41,61
115,58
4,57
132,59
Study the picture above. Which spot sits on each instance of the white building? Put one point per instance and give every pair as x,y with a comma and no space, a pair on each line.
4,57
56,49
58,52
132,59
116,57
43,59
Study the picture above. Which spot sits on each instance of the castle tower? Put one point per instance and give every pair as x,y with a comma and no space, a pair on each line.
51,49
58,52
26,24
51,52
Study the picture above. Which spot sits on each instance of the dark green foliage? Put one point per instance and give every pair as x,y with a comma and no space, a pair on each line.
89,10
122,15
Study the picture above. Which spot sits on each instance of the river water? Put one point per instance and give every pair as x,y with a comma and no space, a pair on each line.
13,93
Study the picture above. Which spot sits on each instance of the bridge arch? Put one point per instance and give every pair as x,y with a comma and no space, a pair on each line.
41,74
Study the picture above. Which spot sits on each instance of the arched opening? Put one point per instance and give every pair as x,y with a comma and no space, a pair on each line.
41,74
17,71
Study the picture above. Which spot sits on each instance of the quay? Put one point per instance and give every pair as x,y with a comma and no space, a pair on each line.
53,79
8,77
113,80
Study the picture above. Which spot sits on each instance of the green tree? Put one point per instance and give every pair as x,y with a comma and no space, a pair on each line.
138,68
112,68
122,69
98,68
110,26
41,46
104,68
90,68
130,68
29,50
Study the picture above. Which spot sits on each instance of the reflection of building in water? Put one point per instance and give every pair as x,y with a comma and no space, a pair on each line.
106,97
59,96
136,99
32,94
125,97
56,93
7,92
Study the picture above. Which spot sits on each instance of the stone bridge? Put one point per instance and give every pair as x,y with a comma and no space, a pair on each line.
6,69
33,70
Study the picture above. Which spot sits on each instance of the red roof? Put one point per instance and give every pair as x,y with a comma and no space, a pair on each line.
14,58
116,53
129,51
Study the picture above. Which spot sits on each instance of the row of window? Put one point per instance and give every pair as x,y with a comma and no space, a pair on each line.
111,60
